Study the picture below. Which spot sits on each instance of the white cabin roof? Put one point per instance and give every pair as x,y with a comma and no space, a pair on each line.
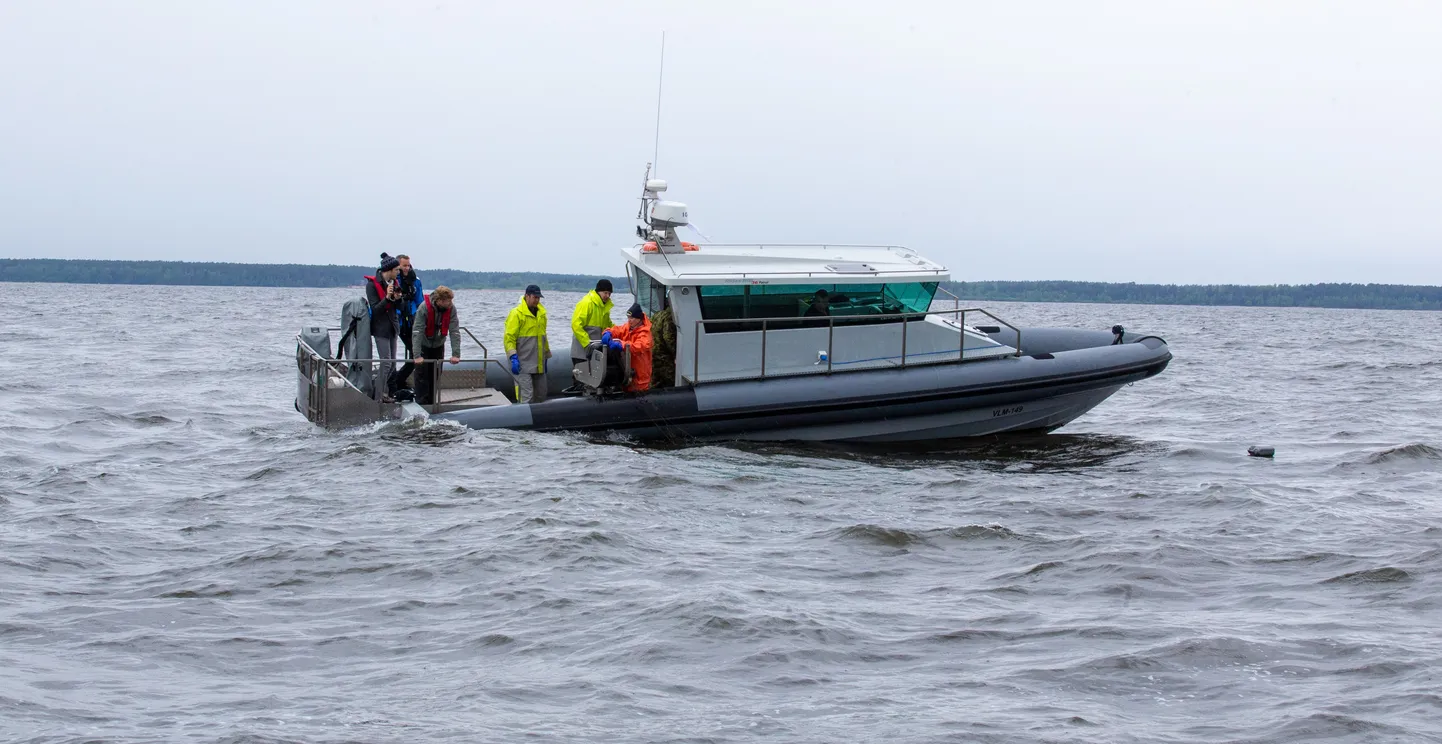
773,263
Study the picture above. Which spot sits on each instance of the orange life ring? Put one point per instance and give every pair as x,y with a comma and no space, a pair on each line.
651,247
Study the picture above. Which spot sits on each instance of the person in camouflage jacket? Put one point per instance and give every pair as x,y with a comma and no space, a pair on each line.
663,349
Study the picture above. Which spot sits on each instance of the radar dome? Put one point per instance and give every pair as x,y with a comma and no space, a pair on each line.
669,214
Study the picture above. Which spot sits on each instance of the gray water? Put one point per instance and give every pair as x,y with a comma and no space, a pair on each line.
184,558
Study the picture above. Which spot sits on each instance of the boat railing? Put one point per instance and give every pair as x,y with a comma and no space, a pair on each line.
813,246
769,325
955,301
909,271
331,399
835,276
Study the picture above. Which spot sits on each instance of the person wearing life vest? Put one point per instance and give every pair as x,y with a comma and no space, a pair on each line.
384,297
663,352
591,316
412,291
412,294
633,338
527,347
435,321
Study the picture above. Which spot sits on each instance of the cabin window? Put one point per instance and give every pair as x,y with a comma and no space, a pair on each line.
858,303
914,298
722,302
650,293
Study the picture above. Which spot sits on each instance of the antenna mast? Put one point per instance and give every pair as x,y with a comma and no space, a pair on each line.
660,218
660,77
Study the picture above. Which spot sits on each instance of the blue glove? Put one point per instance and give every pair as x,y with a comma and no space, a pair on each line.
606,338
617,345
515,365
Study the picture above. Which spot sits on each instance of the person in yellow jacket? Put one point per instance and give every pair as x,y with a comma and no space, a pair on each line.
591,317
526,345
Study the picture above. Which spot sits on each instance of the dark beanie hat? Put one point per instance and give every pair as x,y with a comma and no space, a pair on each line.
604,286
636,311
389,263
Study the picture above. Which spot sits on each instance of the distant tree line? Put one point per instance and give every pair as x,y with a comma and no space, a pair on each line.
267,275
1365,296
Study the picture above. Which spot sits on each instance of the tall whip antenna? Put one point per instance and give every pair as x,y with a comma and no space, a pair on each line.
660,77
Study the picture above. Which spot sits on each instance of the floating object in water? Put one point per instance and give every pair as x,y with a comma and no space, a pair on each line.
1260,451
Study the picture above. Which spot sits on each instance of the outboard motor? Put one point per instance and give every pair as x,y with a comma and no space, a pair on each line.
605,371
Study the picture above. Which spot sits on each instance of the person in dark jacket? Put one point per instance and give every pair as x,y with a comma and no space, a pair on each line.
412,294
435,321
384,297
817,312
820,306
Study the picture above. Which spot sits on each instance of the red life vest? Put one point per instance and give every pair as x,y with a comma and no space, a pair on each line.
380,288
445,323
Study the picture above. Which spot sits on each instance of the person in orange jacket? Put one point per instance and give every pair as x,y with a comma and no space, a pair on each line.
635,339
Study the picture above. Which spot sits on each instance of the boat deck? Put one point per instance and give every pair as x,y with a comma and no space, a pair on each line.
455,399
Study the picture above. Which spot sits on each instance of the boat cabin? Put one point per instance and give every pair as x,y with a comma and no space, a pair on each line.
750,311
767,310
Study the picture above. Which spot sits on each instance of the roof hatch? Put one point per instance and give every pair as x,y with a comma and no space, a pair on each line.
851,267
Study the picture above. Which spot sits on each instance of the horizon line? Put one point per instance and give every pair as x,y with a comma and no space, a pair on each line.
363,267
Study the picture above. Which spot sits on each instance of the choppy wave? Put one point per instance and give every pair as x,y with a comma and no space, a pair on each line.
1414,457
1372,576
1405,453
898,537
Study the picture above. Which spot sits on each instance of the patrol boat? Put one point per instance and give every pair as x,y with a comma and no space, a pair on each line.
760,357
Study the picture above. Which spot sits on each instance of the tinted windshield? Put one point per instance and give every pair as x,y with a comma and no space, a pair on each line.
802,300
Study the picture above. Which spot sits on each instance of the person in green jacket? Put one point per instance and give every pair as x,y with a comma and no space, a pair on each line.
436,319
591,317
526,345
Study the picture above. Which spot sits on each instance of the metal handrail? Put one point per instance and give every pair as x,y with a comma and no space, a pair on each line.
831,320
941,271
318,370
398,361
320,382
993,316
485,353
822,246
316,357
834,274
956,301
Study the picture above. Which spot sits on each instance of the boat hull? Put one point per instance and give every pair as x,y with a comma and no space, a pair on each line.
1060,376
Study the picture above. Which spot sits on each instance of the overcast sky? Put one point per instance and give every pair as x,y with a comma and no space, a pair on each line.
1253,142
